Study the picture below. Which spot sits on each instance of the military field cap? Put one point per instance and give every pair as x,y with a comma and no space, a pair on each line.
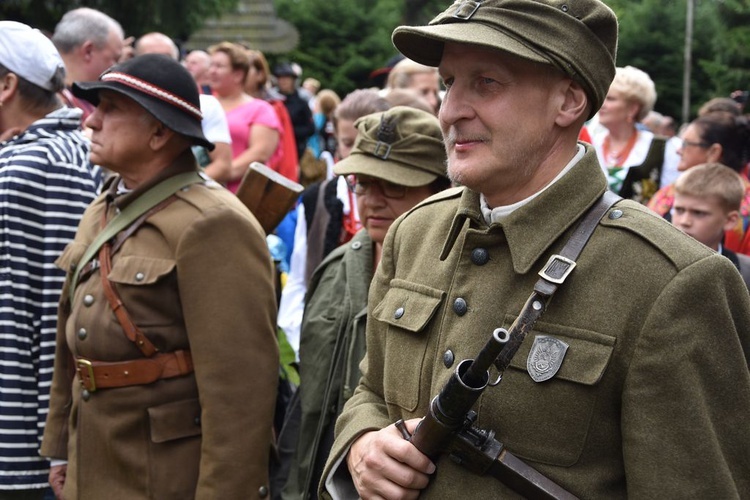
31,55
403,145
161,85
577,36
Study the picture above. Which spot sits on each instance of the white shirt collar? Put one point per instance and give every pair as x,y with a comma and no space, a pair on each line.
497,214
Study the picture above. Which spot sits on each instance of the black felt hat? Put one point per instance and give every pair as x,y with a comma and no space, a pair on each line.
284,69
161,86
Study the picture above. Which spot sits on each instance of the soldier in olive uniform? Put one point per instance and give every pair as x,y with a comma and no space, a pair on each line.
651,396
397,161
166,364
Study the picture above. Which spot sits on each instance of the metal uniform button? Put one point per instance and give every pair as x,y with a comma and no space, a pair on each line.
460,307
448,358
85,395
399,313
88,300
480,256
82,334
356,245
615,214
263,492
139,276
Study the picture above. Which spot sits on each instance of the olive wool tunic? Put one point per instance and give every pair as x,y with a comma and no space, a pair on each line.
652,397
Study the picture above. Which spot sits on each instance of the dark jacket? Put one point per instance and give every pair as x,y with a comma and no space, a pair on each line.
302,120
332,344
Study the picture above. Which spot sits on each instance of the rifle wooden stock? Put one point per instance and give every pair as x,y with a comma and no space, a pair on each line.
268,194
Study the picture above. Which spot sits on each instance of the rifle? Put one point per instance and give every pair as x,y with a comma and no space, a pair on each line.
449,426
449,423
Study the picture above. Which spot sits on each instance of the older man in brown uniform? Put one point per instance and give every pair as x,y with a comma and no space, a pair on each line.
646,391
166,363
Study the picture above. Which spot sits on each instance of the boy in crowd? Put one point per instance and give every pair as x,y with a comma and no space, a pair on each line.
707,203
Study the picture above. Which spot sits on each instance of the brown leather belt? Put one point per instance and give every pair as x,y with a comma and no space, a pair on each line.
96,375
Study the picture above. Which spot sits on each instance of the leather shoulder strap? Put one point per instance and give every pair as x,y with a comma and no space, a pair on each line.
552,275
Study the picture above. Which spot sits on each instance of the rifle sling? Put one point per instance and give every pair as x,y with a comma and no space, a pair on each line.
552,275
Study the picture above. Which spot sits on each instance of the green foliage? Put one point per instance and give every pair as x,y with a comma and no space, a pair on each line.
341,41
287,358
729,68
176,18
652,38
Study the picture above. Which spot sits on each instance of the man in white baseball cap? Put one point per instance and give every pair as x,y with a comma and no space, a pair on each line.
32,56
46,182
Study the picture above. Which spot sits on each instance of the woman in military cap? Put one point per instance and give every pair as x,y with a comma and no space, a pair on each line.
397,161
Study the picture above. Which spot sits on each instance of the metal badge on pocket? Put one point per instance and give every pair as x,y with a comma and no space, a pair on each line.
545,358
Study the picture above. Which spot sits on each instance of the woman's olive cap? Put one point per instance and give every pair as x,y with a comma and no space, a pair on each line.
577,36
402,145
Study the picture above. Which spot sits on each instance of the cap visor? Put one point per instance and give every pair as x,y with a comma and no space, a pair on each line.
424,44
391,171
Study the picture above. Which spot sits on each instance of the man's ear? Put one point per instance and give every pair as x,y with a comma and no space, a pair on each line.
160,135
87,50
573,105
8,87
731,220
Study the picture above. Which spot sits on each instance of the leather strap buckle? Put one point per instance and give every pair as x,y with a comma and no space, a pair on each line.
382,150
557,269
466,9
86,374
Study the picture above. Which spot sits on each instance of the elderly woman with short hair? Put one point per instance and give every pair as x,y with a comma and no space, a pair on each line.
635,161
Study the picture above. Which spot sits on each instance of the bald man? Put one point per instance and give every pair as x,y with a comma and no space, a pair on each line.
197,63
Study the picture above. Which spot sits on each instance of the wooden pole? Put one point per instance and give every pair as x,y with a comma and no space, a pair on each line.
687,70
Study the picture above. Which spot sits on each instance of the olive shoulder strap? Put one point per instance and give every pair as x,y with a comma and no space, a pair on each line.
141,205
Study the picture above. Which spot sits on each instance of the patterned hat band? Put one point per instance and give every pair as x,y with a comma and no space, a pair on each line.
152,90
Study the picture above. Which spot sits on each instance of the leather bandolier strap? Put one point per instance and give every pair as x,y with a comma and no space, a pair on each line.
154,366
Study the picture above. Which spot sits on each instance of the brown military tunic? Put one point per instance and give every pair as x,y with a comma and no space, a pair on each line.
196,275
652,396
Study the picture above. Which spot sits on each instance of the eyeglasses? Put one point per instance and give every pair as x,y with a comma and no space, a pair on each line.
360,186
703,145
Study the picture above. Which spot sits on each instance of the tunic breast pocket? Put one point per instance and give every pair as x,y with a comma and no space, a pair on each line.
407,308
549,421
148,288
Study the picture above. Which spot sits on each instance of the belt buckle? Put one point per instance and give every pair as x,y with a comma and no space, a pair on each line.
86,364
557,269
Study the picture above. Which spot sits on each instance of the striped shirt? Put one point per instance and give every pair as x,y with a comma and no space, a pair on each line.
46,182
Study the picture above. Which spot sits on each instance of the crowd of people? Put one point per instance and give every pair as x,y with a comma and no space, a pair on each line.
146,315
